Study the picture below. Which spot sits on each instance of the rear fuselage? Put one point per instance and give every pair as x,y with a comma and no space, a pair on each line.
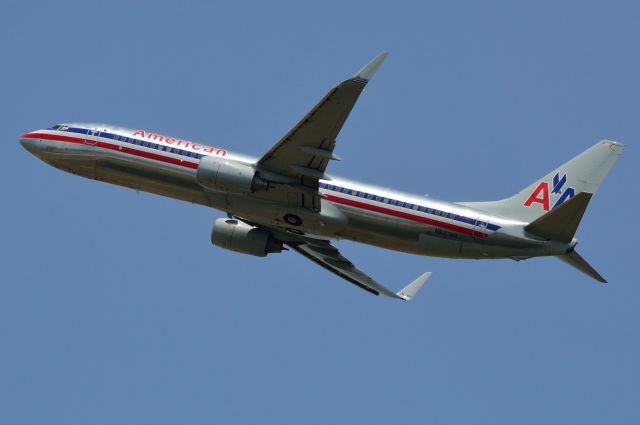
349,210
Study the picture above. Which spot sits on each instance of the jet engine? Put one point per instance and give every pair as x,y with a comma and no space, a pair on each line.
238,236
228,176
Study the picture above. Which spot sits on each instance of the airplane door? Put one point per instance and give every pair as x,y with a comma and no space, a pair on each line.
92,137
480,228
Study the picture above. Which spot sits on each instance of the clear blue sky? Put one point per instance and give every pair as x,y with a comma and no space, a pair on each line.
115,308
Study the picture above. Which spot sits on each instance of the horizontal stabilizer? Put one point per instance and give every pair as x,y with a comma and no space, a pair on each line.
575,260
561,223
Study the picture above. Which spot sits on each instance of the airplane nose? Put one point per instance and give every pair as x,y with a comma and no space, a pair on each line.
29,143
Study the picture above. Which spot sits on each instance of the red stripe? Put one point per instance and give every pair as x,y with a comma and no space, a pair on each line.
406,215
55,137
332,198
113,147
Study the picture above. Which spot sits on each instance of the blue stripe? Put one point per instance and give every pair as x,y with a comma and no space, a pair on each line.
371,197
137,142
76,130
406,205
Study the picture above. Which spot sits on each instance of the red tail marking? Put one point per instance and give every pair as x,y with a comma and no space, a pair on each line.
543,188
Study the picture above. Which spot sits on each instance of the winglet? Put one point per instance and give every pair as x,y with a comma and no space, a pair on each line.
369,69
412,289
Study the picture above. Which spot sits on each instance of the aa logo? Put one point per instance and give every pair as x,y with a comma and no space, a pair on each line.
541,195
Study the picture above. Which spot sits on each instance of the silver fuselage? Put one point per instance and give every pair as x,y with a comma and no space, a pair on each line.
374,215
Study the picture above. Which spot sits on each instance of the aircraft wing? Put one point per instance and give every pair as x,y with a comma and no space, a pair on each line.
303,153
326,255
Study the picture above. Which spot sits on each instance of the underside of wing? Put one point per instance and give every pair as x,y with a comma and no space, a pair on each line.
322,252
326,255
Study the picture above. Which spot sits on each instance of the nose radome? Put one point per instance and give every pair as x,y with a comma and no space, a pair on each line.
29,142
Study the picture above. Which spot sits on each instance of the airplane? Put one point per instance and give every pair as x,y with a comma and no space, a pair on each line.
284,199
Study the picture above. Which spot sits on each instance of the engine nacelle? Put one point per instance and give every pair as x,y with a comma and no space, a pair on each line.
238,236
228,176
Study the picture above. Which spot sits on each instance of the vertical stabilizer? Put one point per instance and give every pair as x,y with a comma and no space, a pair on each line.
584,173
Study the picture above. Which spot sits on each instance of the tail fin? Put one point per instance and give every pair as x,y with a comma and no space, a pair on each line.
575,260
584,173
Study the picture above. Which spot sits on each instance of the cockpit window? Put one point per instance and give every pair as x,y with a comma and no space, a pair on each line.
59,127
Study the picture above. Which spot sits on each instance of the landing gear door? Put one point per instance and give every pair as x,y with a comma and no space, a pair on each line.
480,228
92,137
